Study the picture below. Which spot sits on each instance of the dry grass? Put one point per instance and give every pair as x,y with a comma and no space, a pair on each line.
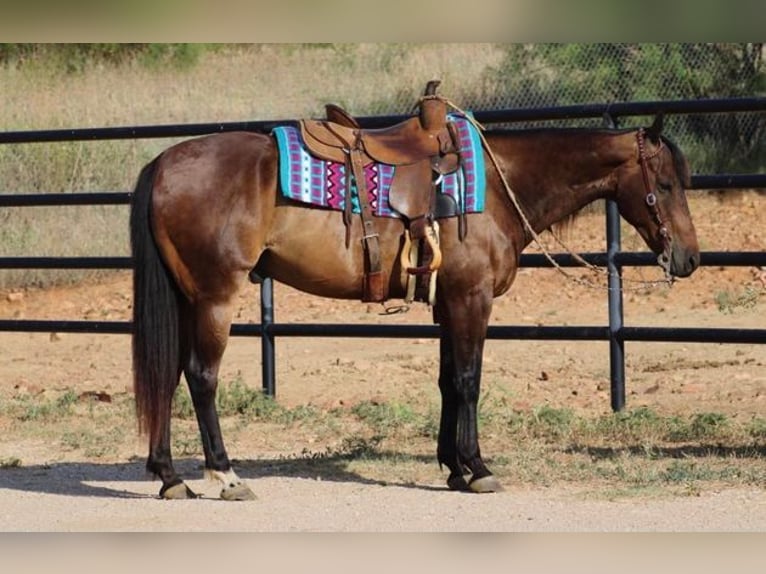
235,84
636,452
260,82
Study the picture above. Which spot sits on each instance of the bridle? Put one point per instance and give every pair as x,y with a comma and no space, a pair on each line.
663,260
651,201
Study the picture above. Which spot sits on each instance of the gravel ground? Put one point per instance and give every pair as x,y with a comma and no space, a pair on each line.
98,498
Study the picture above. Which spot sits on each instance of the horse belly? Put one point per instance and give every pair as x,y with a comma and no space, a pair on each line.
307,250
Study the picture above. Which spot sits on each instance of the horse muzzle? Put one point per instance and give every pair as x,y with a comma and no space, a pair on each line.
678,261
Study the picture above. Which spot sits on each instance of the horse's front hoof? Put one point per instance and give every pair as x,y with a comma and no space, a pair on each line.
458,483
178,492
485,484
237,491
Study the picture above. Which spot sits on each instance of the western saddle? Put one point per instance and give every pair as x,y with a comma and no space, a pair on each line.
421,148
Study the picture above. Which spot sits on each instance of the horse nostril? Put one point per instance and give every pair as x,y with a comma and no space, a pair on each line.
694,262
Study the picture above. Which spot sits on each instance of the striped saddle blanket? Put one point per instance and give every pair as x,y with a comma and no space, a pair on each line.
321,183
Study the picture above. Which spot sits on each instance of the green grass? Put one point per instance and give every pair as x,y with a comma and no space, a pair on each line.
29,408
10,462
236,399
388,418
78,58
731,301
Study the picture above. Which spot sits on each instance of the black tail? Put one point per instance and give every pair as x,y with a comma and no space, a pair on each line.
156,349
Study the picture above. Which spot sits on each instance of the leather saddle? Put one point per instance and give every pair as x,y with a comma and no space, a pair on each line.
405,143
421,148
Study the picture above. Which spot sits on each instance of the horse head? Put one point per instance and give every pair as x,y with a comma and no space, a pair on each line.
651,197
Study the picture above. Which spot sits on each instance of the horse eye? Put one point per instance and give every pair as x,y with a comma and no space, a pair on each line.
664,187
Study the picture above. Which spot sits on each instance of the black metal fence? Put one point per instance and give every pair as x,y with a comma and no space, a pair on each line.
615,332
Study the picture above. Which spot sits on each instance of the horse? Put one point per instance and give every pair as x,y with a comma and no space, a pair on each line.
207,214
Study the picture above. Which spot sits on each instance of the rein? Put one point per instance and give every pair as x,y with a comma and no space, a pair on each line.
651,201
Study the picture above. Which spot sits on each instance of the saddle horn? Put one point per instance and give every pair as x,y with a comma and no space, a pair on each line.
433,110
431,87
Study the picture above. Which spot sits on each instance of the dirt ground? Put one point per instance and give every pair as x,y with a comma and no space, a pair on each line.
669,377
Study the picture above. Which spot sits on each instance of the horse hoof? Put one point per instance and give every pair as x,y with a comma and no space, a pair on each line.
237,491
485,484
178,492
458,483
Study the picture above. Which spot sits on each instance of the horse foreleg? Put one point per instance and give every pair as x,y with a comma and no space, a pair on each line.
462,345
467,382
211,331
446,450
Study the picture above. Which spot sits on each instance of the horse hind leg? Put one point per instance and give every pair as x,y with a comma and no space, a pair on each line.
160,460
160,463
210,324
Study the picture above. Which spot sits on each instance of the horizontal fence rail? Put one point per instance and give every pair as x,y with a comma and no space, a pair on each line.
362,331
709,106
615,332
624,259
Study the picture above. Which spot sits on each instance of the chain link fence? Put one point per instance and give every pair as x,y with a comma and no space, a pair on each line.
542,75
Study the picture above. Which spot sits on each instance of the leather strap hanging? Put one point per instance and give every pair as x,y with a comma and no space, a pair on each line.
374,289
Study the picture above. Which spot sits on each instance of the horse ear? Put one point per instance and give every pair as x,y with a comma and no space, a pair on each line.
655,130
608,121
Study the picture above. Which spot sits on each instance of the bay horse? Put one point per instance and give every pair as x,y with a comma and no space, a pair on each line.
208,212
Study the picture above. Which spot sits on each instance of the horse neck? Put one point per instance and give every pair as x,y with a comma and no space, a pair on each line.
556,172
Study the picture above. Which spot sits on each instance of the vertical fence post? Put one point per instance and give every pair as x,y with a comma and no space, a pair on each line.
616,343
268,358
616,315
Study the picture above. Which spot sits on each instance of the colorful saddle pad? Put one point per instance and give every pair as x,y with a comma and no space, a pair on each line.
307,179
